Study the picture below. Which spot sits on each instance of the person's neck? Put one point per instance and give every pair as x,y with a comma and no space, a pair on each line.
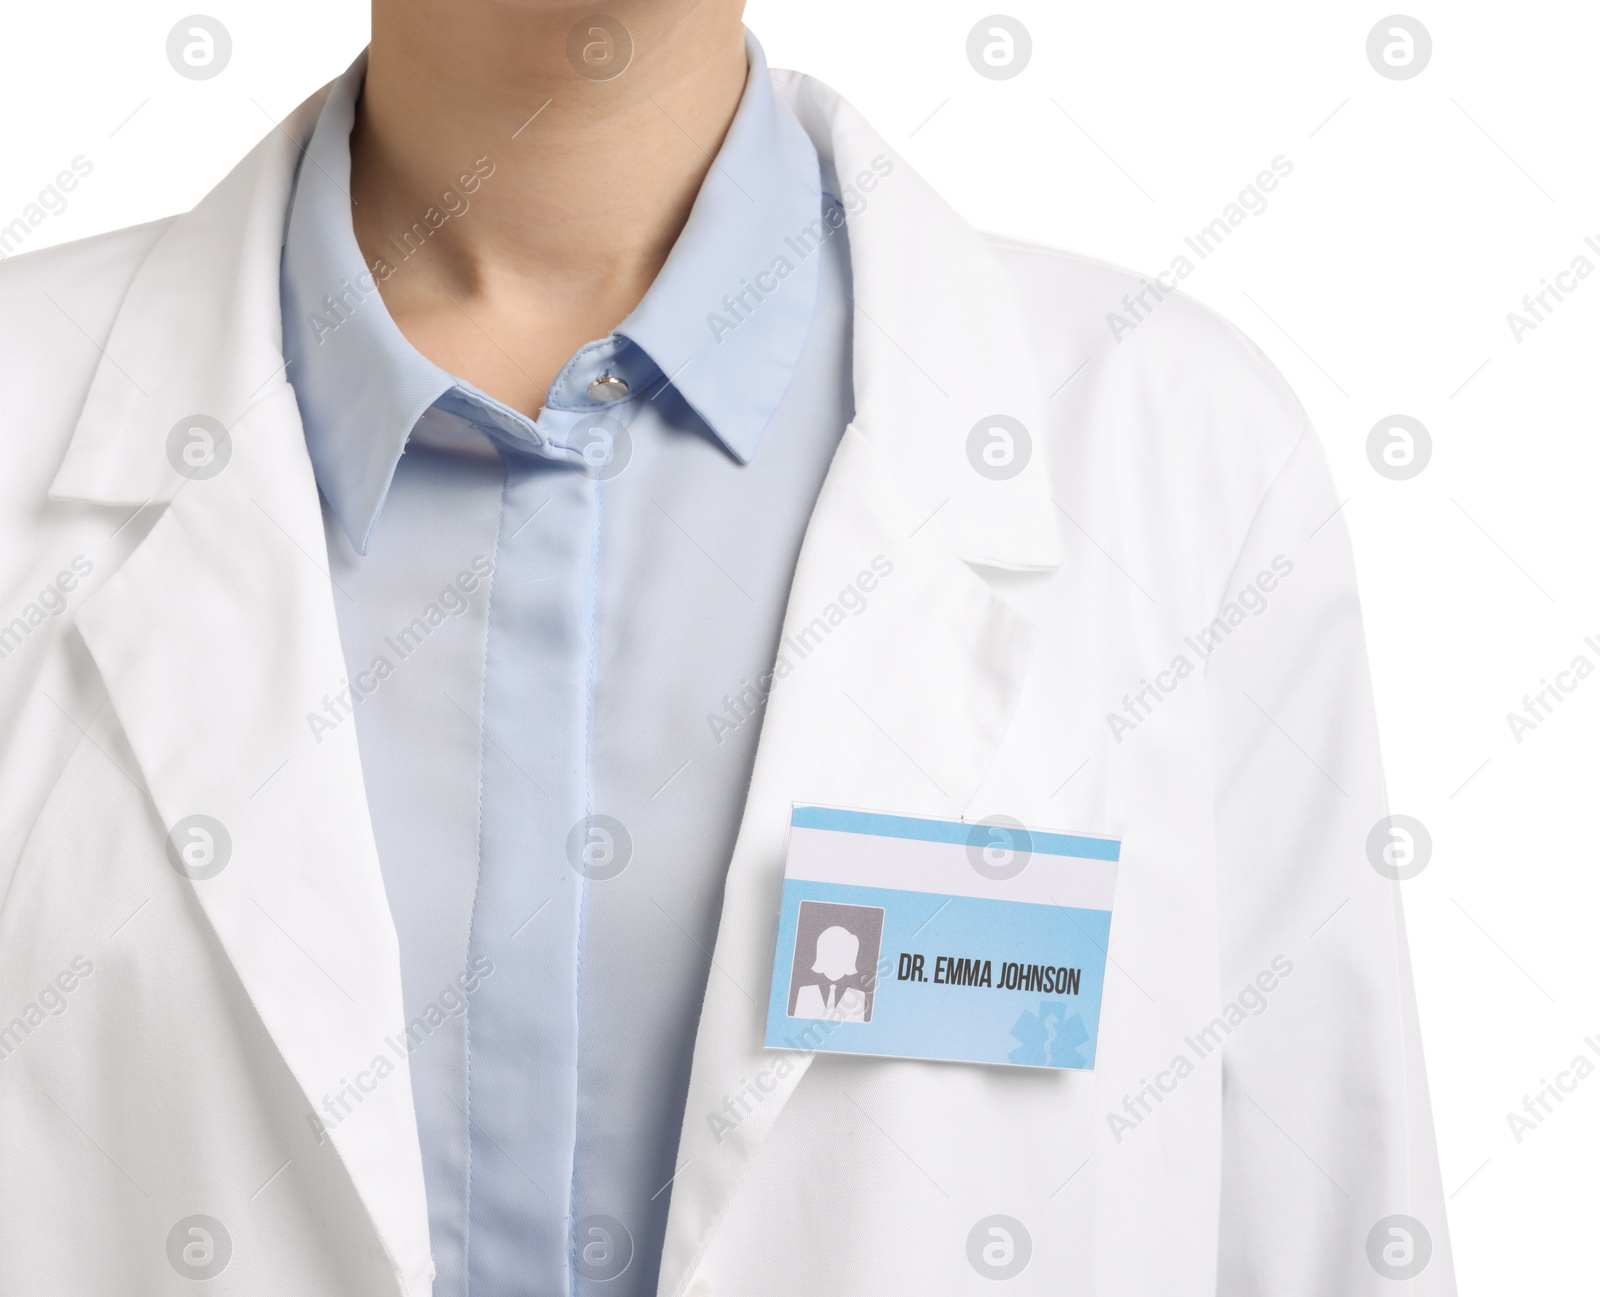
584,184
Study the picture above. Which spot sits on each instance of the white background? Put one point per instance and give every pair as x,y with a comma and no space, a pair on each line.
1379,278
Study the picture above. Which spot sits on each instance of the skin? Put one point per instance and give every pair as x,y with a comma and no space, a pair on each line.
563,239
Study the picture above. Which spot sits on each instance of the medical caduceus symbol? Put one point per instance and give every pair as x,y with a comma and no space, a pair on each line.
1049,1038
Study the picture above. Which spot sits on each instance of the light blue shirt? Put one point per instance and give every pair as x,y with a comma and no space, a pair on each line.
559,635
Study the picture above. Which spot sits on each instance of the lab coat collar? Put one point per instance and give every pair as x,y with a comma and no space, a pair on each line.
219,634
946,382
199,333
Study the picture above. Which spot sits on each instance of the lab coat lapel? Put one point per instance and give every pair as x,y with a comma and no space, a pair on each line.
899,708
946,382
217,637
899,705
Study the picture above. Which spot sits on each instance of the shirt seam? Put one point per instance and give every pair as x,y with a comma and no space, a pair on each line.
591,676
477,879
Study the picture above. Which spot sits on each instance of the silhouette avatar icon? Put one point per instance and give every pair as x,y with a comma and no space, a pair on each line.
837,949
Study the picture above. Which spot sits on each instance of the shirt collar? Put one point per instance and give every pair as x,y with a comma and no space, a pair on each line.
727,316
724,322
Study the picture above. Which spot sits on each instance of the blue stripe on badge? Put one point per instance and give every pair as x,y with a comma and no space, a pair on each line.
953,831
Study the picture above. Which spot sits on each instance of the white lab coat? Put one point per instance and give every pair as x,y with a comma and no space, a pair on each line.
170,674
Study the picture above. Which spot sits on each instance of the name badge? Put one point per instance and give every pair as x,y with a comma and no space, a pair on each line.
907,937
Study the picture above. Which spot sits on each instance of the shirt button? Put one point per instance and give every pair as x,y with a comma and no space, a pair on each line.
607,389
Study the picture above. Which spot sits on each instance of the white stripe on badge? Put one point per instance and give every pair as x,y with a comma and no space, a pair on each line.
947,868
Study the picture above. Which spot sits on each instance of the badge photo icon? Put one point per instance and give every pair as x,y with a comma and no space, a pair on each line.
835,964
